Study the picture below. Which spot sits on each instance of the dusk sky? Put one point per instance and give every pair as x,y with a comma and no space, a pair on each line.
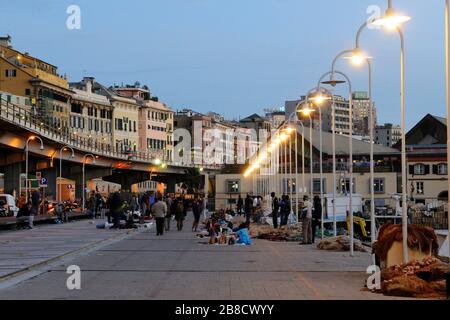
235,57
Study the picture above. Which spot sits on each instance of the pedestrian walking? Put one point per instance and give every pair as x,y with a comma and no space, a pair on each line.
275,209
197,209
316,217
92,204
143,205
35,201
179,213
159,211
306,220
169,203
134,204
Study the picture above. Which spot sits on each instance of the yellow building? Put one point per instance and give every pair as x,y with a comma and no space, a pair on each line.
24,75
125,123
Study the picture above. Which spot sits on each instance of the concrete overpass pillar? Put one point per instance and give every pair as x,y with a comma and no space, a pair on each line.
171,182
11,178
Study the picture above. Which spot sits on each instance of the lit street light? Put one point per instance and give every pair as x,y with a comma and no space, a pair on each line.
307,112
60,168
84,179
32,138
393,21
334,82
357,57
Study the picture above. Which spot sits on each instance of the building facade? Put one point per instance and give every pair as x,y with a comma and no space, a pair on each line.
361,113
91,114
426,150
39,82
387,135
342,114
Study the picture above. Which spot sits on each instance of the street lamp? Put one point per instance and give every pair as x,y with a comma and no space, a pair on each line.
307,112
357,58
334,82
297,120
84,179
393,21
60,168
32,138
318,99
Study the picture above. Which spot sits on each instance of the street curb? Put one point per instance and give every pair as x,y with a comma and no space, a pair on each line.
86,248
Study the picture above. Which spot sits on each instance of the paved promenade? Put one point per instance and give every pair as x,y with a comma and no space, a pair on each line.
179,266
24,249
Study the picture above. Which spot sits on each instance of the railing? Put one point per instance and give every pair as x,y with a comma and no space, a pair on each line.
32,122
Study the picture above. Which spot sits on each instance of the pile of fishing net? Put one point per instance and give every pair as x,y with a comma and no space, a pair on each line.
340,243
266,232
419,237
419,279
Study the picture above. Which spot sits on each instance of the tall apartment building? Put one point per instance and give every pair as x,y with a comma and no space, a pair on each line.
361,113
342,114
387,134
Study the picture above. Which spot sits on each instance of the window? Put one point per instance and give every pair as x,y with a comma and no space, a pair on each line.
11,73
27,92
378,185
420,187
345,185
316,185
419,169
233,186
119,125
440,169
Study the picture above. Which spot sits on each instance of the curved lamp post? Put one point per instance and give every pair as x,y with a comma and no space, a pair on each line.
32,138
392,21
288,122
60,168
350,136
89,155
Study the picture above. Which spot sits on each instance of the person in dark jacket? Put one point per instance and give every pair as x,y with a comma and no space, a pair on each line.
178,206
115,207
275,209
285,210
35,201
317,216
248,207
240,205
197,208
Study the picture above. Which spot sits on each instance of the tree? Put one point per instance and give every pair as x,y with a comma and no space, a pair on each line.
192,180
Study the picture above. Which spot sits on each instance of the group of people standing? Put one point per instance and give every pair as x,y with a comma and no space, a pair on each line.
250,206
167,208
310,214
